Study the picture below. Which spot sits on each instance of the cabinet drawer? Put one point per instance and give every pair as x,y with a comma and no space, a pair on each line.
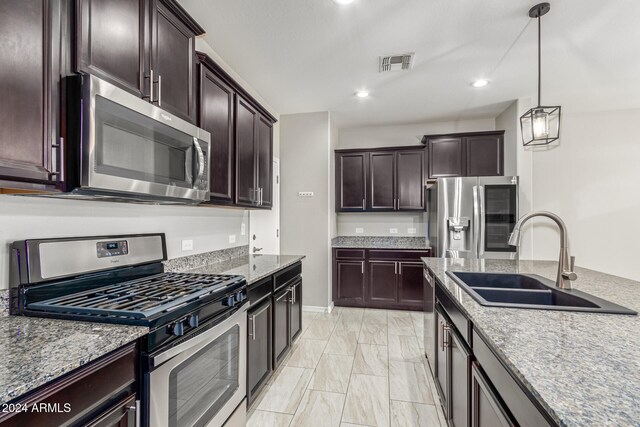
455,314
285,276
260,290
524,410
398,254
349,253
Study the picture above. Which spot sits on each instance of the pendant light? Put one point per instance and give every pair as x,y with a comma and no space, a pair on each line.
541,124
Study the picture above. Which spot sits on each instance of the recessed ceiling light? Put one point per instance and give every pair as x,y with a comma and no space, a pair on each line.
480,83
362,94
342,2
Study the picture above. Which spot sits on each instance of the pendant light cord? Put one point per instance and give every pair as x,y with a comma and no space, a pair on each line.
539,63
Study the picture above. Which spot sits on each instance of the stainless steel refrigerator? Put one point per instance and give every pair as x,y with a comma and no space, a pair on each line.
473,217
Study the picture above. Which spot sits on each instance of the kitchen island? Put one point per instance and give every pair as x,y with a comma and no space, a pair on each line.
579,368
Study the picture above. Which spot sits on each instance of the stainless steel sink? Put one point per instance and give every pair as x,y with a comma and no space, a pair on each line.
530,291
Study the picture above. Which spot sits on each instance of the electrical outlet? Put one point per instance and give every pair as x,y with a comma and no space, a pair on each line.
232,238
359,230
305,193
243,229
411,230
393,230
187,245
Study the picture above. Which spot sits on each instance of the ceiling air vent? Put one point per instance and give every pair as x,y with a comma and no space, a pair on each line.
396,62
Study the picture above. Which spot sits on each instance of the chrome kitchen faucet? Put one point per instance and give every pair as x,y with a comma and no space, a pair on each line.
566,263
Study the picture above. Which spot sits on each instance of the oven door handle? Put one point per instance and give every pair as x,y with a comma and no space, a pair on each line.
204,337
201,165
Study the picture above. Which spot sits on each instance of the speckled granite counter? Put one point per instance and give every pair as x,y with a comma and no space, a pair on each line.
380,242
35,351
584,368
253,267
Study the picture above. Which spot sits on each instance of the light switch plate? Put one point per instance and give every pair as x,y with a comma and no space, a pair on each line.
393,230
359,230
411,230
305,193
187,245
232,238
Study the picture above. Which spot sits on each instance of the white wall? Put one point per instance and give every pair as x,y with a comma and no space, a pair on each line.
395,136
305,165
508,121
30,217
591,179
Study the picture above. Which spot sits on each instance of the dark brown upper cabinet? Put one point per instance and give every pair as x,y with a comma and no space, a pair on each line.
446,157
216,116
264,162
111,41
468,154
393,180
144,46
241,139
485,155
410,180
173,34
32,52
382,176
246,124
351,181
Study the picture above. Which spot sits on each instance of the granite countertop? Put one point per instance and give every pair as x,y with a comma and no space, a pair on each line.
380,242
252,267
584,368
35,351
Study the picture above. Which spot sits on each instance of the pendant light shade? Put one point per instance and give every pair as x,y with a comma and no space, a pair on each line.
541,124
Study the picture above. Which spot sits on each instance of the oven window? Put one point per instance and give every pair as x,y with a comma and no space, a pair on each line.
133,146
201,385
500,217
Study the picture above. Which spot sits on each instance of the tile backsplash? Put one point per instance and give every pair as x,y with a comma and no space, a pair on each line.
382,224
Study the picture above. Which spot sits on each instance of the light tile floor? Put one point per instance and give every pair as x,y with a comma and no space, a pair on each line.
352,367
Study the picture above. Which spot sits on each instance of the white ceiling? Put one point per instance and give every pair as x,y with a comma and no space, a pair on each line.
312,55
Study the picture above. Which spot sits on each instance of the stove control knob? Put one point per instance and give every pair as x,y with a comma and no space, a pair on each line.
229,301
193,320
239,297
178,329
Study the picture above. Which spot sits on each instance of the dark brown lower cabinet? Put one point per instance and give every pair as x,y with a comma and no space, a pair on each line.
383,282
390,278
410,287
102,393
348,281
486,408
281,326
259,350
441,373
459,367
295,300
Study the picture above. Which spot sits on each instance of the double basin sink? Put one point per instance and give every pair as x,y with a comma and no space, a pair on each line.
530,291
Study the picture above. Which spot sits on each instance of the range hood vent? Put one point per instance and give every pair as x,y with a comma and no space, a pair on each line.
396,62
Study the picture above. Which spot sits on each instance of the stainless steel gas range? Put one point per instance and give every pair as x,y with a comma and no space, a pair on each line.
193,364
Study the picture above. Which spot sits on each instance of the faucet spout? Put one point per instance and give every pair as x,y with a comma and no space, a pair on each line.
565,263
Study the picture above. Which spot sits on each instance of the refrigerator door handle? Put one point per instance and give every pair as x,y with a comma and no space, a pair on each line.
482,217
476,220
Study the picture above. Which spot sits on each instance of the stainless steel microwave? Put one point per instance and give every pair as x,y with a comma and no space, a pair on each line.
119,146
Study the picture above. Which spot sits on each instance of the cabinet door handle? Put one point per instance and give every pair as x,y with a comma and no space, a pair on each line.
252,331
362,267
60,159
151,82
445,334
363,208
159,90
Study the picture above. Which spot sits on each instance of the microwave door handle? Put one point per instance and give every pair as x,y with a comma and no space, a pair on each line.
201,165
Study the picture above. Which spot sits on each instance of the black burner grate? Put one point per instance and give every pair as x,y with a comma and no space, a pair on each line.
141,298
